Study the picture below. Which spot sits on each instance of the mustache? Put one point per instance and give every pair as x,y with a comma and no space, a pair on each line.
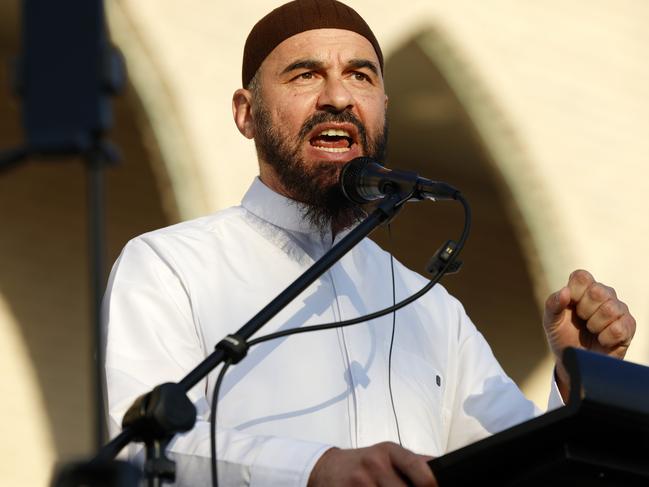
340,117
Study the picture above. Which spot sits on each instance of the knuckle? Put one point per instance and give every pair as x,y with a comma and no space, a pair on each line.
625,308
389,444
373,460
616,332
358,478
412,462
605,341
386,446
584,309
610,309
581,276
593,326
599,292
631,324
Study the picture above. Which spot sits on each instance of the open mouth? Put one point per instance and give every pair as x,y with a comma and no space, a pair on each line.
333,140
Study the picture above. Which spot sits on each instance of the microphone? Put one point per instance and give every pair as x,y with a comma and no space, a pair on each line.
363,179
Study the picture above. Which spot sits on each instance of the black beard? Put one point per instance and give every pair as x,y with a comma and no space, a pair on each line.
314,184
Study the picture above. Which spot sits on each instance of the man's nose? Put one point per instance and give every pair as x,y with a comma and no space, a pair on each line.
335,96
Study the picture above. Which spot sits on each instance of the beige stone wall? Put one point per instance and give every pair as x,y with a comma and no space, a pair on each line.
558,92
26,438
47,408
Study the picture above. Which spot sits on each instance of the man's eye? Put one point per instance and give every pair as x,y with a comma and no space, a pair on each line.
361,76
307,75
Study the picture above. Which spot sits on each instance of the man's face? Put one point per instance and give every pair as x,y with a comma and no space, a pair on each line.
319,103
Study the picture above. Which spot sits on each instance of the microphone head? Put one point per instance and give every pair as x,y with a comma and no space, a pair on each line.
363,180
351,178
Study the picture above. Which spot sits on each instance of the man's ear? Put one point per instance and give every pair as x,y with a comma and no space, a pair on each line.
242,112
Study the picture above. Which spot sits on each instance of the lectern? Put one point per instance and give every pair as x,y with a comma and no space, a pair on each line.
601,438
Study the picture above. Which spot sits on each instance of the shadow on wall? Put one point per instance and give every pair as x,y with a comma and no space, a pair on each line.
43,256
431,133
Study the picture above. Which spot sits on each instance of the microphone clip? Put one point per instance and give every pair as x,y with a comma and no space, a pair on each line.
442,257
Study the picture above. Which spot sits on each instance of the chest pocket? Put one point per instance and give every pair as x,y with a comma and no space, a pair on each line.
418,391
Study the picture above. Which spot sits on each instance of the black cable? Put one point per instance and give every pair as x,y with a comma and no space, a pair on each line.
215,400
394,327
326,326
377,314
353,321
340,324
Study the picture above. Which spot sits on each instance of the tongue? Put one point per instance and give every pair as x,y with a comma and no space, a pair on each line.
330,142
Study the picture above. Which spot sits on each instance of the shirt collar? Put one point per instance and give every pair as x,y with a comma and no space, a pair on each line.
276,209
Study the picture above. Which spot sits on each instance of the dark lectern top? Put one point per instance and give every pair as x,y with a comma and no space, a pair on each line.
601,438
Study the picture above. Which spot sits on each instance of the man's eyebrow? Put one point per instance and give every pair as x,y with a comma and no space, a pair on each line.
303,64
364,63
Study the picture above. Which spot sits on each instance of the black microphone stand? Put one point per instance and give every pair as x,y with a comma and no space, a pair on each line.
155,417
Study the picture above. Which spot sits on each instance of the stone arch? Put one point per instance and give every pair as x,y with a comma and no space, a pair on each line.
444,125
165,134
44,285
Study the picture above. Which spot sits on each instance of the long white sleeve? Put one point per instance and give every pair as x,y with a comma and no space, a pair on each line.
151,339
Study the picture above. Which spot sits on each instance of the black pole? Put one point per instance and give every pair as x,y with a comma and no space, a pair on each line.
11,158
65,75
95,160
144,422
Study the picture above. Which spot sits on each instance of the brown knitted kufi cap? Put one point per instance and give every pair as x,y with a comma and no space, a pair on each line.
295,17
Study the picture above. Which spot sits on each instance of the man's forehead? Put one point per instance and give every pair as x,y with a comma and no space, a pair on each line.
322,45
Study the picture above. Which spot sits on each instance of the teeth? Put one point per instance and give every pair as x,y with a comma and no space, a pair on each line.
334,132
332,149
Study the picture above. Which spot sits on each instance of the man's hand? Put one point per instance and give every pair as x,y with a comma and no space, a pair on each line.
384,464
586,314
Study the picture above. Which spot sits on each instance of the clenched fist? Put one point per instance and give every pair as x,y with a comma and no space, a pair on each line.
586,314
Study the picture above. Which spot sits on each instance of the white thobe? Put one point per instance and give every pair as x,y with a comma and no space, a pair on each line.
175,292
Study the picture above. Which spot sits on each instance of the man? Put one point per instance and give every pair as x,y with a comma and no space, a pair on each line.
364,405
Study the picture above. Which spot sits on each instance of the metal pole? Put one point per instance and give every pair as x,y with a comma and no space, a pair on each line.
97,253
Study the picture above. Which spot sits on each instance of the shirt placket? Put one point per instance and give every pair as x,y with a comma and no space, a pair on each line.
348,357
366,353
316,249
